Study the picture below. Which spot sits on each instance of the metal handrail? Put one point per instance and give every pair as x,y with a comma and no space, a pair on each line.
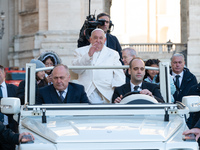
96,67
86,106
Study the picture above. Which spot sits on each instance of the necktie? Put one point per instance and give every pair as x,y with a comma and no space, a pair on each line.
1,115
177,81
61,96
136,88
1,94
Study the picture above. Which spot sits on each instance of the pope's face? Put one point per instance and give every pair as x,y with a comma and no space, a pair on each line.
98,39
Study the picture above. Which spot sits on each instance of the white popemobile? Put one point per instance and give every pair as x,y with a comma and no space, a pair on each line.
151,126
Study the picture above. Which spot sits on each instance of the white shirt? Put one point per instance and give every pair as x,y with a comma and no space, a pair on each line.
64,92
132,86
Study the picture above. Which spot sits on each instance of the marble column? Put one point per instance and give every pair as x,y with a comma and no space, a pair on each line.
193,53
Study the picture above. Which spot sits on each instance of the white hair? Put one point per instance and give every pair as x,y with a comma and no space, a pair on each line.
131,51
98,29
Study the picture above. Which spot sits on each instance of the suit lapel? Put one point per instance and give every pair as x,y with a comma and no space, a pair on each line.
127,88
54,94
8,90
69,94
144,86
109,41
184,81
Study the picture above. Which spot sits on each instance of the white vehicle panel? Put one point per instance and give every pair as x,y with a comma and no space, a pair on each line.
136,128
111,129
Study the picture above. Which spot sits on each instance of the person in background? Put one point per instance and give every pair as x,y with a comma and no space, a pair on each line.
183,80
99,83
61,91
41,81
127,55
195,130
49,59
111,40
152,76
7,90
136,84
8,137
194,90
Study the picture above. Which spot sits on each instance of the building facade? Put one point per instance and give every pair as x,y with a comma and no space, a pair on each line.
35,26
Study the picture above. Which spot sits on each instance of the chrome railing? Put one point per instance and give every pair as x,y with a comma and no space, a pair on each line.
156,47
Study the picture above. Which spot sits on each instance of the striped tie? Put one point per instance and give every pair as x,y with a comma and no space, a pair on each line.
61,96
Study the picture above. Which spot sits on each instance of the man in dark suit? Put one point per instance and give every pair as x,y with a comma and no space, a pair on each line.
183,78
137,71
62,91
7,90
195,130
194,90
9,137
111,40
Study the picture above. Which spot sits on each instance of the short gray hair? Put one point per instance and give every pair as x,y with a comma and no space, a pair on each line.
178,55
131,51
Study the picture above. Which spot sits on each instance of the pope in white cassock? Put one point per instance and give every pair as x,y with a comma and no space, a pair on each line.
99,83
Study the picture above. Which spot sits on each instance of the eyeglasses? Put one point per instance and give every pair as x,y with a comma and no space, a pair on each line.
107,21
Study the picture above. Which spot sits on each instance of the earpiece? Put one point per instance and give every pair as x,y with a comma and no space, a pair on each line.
111,24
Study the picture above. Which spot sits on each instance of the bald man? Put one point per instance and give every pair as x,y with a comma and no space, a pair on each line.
137,72
99,83
61,91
